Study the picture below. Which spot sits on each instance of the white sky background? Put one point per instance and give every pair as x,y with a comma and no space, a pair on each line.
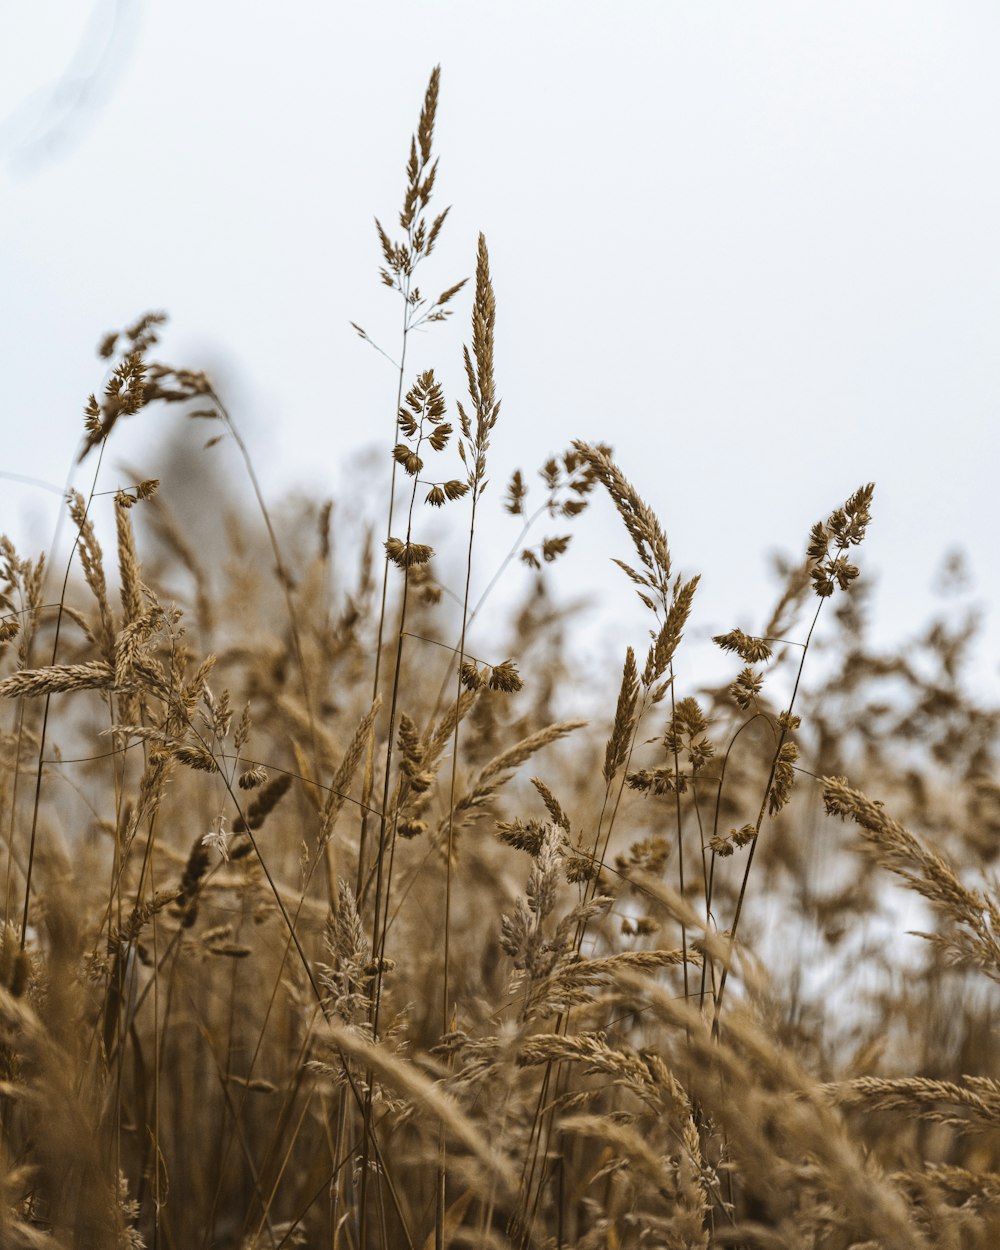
753,246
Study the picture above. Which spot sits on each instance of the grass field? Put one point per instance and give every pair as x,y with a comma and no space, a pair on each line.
323,929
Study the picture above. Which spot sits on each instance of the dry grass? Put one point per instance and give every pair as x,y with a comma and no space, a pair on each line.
296,952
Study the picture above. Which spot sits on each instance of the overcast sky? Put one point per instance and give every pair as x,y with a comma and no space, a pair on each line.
753,245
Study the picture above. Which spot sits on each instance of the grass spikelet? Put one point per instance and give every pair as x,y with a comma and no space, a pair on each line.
661,653
129,570
624,725
640,521
58,679
973,1106
252,778
552,804
752,650
973,915
498,772
264,804
197,758
92,563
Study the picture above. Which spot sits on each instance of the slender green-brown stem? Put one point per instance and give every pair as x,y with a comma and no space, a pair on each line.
709,873
757,826
363,837
680,833
469,617
282,569
386,836
449,852
449,845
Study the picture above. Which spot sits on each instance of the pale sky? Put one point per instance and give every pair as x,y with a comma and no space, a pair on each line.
753,246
